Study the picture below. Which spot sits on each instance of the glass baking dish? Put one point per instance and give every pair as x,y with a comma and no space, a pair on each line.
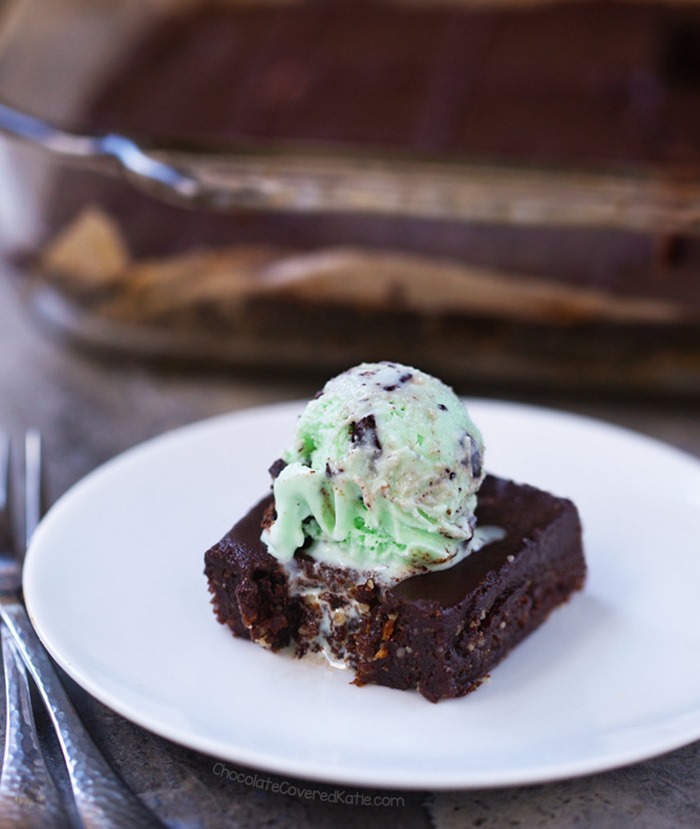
339,214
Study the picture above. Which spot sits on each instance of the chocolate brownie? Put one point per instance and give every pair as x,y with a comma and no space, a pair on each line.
439,632
467,82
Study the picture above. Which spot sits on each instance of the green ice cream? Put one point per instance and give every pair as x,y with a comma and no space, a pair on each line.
382,476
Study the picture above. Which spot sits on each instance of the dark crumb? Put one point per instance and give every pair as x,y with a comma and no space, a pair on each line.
269,517
276,468
476,462
364,432
367,593
403,379
442,407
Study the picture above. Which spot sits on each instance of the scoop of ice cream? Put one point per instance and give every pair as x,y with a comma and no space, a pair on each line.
382,475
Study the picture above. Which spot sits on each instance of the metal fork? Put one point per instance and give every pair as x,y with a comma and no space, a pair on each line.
101,798
28,795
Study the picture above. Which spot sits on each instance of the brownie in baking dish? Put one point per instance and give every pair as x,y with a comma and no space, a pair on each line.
500,301
439,632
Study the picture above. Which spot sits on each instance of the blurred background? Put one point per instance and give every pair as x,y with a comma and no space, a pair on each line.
504,194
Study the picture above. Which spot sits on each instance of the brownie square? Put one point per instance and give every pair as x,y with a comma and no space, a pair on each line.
439,632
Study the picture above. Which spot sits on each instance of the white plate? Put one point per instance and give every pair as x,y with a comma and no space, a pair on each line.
114,585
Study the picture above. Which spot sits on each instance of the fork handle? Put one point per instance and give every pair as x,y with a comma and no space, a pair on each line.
29,798
102,799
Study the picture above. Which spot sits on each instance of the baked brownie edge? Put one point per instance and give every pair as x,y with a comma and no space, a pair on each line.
249,587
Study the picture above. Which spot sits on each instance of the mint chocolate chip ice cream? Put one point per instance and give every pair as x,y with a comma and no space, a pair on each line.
382,476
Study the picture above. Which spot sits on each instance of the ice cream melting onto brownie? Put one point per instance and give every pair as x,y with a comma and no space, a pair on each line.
382,476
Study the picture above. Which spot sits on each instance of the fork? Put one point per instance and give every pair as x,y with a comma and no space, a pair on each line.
102,800
28,796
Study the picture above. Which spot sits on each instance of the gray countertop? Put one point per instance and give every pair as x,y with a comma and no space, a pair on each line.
89,410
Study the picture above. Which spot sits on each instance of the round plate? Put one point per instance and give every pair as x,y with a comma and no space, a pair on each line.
114,585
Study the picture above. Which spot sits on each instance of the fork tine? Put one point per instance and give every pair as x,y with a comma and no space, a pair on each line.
32,484
6,527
